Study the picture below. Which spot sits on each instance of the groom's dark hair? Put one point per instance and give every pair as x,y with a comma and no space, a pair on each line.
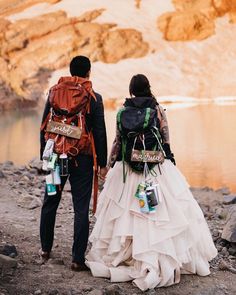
80,66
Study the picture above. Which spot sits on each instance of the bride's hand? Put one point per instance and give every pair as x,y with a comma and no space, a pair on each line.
102,173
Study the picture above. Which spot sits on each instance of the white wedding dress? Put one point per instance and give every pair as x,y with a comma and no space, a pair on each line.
152,250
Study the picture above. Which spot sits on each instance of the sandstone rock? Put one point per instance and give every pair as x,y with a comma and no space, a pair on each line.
232,251
7,262
28,202
218,289
213,8
56,261
215,233
229,199
26,65
96,292
8,164
35,164
32,219
219,248
232,17
224,251
9,173
37,192
229,231
8,249
221,213
89,16
113,289
115,41
24,31
183,26
194,20
138,3
13,6
67,275
25,178
224,191
3,25
181,5
53,292
9,100
223,265
1,174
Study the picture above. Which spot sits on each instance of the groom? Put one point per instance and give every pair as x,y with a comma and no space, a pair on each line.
80,173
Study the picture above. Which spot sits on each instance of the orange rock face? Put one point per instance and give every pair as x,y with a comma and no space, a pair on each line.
115,41
183,26
194,19
12,6
32,48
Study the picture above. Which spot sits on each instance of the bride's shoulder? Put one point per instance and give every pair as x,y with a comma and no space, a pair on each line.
160,110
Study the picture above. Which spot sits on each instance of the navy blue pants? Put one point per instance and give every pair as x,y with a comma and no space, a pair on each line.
81,179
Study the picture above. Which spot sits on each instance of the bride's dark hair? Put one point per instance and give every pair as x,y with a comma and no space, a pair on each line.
140,86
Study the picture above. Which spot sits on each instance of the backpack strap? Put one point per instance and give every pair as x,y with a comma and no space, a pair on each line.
156,133
44,123
123,149
95,179
123,142
147,117
118,118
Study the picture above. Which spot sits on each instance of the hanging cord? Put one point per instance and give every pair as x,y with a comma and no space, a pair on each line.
47,119
123,148
123,141
158,136
80,120
146,170
153,172
95,170
123,187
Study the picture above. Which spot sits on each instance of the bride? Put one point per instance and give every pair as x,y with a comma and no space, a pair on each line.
131,240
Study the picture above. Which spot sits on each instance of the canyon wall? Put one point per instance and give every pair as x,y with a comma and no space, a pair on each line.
33,48
185,47
195,19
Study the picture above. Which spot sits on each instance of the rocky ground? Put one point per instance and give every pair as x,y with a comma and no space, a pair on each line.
21,271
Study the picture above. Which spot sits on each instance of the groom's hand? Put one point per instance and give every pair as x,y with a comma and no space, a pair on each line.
102,173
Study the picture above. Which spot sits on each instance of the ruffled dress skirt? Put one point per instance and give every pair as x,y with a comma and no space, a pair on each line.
152,250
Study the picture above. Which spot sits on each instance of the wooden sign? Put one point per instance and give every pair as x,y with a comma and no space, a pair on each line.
147,156
64,129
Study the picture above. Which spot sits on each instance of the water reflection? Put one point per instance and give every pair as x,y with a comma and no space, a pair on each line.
203,141
20,136
201,137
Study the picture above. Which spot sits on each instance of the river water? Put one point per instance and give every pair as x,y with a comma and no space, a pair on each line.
202,138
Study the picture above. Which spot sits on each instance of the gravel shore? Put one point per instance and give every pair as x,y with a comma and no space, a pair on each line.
22,272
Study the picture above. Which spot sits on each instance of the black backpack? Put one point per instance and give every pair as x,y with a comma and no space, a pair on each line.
139,129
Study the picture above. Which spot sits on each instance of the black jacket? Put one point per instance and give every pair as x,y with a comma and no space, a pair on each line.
95,122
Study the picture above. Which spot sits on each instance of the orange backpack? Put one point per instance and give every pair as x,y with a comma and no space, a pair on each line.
66,123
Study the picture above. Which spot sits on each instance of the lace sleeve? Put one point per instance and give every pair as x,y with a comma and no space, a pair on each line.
164,129
115,150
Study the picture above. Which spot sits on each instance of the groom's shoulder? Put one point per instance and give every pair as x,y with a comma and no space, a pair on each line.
98,96
97,105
